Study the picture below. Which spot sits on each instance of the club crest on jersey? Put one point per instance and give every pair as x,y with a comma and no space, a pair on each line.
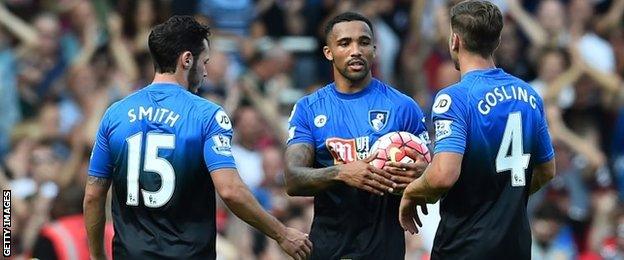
378,119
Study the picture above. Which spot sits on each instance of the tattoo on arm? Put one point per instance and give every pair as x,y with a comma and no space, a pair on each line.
300,155
94,214
103,182
301,178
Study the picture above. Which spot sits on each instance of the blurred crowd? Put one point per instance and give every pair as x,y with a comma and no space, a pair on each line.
63,62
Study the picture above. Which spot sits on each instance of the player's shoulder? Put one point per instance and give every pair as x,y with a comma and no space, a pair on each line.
393,94
390,91
520,83
317,96
200,104
459,90
119,105
525,85
454,97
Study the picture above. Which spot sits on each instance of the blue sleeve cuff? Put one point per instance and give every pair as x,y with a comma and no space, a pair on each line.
549,156
223,165
439,149
99,174
301,140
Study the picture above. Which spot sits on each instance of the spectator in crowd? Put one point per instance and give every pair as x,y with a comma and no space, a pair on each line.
551,241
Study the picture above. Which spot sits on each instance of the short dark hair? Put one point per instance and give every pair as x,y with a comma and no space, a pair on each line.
169,39
479,23
346,17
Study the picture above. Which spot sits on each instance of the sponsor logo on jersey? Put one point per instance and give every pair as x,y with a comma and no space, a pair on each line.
442,128
377,119
223,120
222,145
320,121
348,150
442,104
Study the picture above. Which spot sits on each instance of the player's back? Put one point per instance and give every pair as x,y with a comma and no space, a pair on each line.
163,196
497,122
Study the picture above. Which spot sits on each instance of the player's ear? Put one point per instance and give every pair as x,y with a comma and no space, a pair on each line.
455,42
186,59
374,51
328,54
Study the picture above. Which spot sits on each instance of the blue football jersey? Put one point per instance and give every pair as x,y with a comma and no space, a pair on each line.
348,222
158,146
497,122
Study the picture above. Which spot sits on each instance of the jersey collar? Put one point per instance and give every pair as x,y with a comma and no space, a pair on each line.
483,72
355,95
164,86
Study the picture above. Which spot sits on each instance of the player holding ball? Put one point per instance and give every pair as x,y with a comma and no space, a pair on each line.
329,150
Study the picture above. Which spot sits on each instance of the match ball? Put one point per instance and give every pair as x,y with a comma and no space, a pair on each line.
391,147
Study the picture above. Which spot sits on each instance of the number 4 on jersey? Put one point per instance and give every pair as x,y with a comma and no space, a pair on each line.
517,161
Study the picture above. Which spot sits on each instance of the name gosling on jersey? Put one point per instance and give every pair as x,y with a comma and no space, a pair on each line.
160,115
499,94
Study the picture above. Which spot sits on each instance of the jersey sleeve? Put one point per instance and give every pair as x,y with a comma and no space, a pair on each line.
543,150
299,130
100,163
449,115
217,132
414,121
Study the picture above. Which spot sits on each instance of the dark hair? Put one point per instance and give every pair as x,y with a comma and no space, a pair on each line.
169,39
346,17
479,23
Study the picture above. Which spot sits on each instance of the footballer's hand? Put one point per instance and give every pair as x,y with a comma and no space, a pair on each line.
408,213
404,173
295,243
362,175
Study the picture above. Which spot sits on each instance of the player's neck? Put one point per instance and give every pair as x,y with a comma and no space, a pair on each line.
169,78
344,85
470,62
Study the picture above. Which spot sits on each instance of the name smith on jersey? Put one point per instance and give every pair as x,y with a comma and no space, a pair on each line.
161,115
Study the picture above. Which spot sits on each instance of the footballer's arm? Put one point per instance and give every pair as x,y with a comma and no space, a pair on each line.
241,202
94,205
303,180
437,179
542,174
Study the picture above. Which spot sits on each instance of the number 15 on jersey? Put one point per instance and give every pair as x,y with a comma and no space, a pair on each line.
152,163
